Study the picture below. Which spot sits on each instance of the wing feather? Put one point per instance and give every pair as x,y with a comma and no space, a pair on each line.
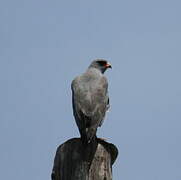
90,101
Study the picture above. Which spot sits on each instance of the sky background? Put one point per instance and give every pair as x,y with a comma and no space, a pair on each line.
44,44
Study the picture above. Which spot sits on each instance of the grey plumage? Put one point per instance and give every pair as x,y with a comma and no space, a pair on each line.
90,99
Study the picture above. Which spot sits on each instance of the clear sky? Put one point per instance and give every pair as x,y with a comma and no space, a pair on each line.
44,44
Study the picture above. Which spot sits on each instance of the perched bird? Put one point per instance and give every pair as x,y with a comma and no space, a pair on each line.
90,99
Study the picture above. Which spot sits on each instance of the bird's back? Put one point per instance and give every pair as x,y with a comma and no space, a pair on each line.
90,90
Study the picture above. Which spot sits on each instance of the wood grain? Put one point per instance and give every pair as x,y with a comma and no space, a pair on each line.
75,161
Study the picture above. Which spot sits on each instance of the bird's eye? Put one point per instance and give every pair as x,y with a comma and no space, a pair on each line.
102,63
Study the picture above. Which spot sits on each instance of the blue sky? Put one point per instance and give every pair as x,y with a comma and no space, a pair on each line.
45,44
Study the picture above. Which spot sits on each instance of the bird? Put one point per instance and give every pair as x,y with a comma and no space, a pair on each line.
90,99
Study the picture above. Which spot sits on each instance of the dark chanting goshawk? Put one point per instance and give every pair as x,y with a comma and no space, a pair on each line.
90,99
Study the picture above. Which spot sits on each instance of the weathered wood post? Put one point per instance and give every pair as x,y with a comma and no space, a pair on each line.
75,161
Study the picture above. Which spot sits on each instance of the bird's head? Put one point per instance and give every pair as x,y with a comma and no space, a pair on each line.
100,64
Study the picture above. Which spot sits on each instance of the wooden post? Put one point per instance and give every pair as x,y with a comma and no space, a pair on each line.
75,161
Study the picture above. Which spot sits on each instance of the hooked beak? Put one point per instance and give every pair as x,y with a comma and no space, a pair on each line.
108,65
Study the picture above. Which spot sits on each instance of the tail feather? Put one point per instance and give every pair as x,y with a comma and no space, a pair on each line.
87,132
88,135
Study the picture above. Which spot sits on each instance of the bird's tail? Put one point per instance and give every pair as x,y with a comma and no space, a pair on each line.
88,135
87,132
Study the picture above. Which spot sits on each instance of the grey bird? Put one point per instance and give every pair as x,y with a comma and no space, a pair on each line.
90,99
